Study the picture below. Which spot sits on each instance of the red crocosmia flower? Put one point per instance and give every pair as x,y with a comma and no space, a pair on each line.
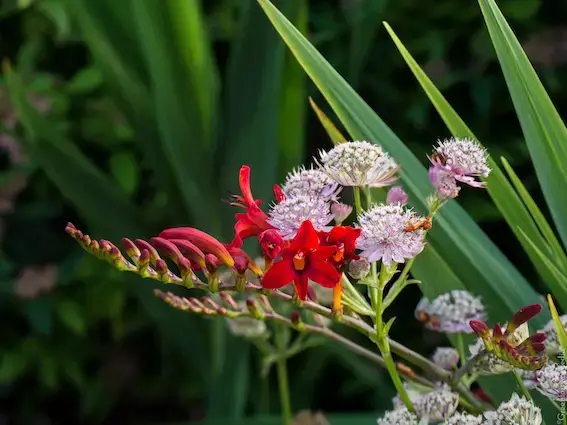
271,243
303,259
344,239
280,196
254,220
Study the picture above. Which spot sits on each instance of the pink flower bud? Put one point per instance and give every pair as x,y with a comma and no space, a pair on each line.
396,195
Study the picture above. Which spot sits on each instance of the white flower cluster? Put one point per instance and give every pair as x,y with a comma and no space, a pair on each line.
517,411
359,163
288,215
313,194
452,311
441,405
384,236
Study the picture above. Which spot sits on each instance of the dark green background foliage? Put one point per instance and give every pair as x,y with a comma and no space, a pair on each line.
132,137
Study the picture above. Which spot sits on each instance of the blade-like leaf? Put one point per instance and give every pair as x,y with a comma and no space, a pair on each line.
542,126
254,84
333,132
538,217
457,239
182,128
293,109
95,196
553,276
107,31
195,52
561,332
517,208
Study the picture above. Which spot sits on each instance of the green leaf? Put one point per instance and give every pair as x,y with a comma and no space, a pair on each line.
12,365
293,109
94,194
543,129
561,332
107,27
253,98
184,131
538,217
39,314
72,316
514,202
333,132
84,81
457,240
124,168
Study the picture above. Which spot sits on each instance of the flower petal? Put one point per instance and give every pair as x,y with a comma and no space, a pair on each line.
306,237
323,273
301,283
202,240
279,275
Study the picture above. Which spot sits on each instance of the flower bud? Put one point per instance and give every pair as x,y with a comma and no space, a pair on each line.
437,405
446,357
396,195
295,318
340,211
359,269
254,309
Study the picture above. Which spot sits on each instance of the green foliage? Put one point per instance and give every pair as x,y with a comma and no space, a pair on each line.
148,132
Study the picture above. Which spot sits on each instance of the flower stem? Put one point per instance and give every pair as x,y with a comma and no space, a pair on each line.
283,383
461,348
382,339
521,384
357,201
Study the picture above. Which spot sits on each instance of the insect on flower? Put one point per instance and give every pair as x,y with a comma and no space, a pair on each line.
424,223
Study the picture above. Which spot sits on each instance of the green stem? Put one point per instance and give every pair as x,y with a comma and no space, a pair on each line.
521,384
283,382
382,339
357,202
461,348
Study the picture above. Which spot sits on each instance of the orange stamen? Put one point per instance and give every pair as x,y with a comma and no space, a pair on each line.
337,294
299,261
267,263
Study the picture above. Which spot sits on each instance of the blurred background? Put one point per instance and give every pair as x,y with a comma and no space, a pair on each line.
142,113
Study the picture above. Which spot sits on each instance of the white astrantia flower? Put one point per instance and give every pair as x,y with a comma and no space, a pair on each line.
464,158
384,237
463,419
288,215
437,405
528,377
517,411
311,182
551,381
446,357
413,392
451,312
400,416
552,345
358,163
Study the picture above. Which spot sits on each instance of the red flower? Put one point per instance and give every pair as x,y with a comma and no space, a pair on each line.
303,259
254,220
344,238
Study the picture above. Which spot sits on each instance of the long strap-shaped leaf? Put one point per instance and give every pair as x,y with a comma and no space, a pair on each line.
457,240
514,202
542,126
